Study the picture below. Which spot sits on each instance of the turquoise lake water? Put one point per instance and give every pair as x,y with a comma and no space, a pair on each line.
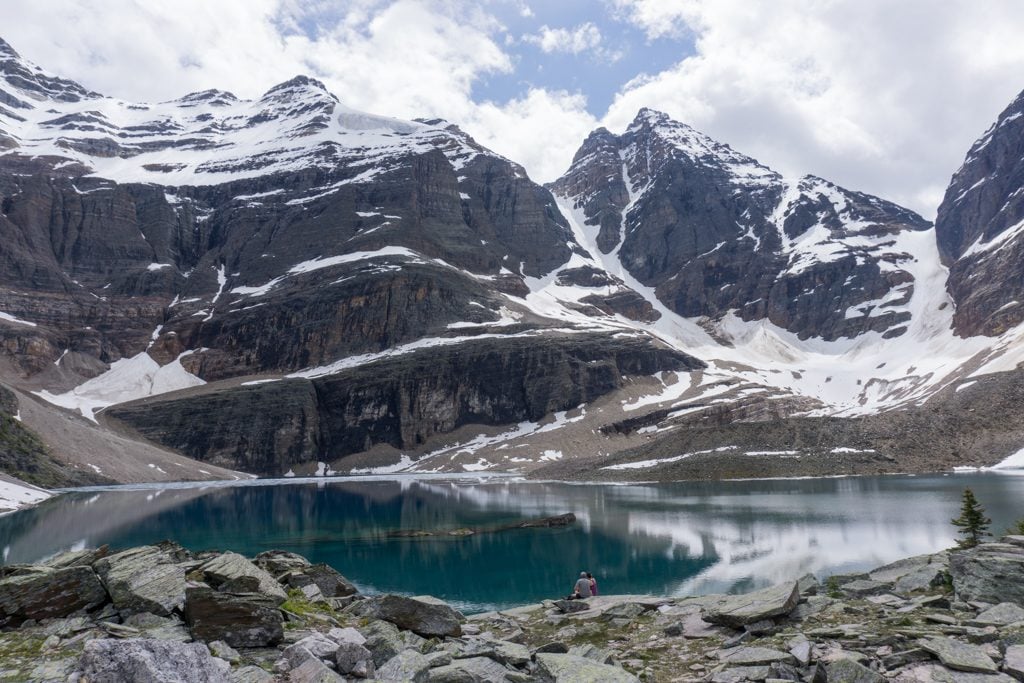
660,538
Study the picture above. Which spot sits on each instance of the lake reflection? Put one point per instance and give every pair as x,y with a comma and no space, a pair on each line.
663,539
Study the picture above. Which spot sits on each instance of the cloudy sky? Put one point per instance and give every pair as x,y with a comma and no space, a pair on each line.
876,95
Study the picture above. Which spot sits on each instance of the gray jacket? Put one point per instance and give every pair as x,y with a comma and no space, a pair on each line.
583,587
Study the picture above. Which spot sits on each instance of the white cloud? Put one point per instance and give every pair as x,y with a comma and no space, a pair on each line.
582,38
877,96
881,97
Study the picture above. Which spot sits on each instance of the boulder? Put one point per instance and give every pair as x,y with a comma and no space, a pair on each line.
755,656
741,674
106,660
158,628
1013,661
330,582
571,669
425,616
279,562
49,593
1003,614
959,656
354,659
933,673
471,670
990,572
571,606
407,665
251,674
320,645
144,579
77,558
850,671
222,650
233,573
346,635
383,640
625,610
738,610
313,671
240,620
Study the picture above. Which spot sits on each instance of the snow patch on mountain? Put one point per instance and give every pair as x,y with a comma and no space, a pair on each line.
127,379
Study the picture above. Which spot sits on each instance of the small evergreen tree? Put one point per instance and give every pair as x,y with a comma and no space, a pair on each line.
972,521
1017,529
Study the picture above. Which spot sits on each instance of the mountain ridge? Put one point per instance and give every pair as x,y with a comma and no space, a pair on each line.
239,246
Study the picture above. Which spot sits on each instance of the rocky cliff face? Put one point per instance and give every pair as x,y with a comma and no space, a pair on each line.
403,401
714,231
980,225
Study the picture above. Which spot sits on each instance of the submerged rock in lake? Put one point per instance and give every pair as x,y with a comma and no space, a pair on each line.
244,621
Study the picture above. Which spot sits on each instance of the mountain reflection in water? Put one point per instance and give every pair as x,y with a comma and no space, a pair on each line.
688,537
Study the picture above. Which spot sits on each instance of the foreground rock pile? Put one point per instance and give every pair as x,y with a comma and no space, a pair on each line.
164,614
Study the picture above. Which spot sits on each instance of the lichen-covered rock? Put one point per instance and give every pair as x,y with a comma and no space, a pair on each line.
407,665
144,579
990,572
280,562
240,620
469,670
49,593
352,658
567,668
232,573
740,610
150,661
313,671
330,583
847,670
959,656
422,615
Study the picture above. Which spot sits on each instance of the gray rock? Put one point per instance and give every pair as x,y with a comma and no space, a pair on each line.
352,657
77,558
296,655
591,652
405,666
346,635
990,572
251,674
439,658
422,615
49,593
1013,661
328,580
923,579
219,648
741,674
313,671
863,587
150,661
471,670
851,671
624,610
383,640
512,654
1003,614
736,611
570,669
312,593
279,562
933,673
159,628
320,645
233,573
553,648
960,656
808,584
754,656
247,620
801,652
144,579
571,606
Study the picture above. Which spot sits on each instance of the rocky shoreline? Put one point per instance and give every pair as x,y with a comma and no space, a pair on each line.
164,613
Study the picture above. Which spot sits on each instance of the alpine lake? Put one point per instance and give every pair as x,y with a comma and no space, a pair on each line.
663,539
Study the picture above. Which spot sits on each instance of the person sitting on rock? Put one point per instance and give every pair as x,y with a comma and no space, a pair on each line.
582,588
593,584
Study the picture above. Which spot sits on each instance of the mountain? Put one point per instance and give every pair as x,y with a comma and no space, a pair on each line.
166,249
714,232
211,287
980,229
